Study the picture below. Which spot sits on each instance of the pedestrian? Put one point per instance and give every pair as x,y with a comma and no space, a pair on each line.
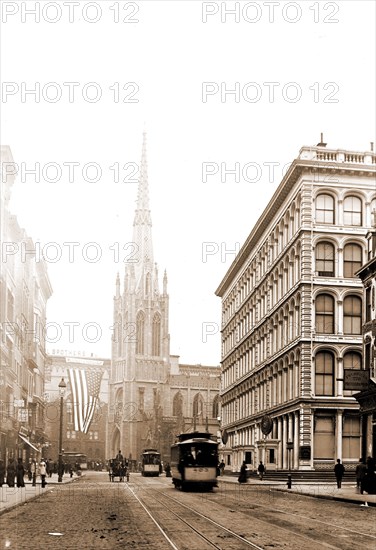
243,473
2,473
360,472
221,468
43,473
339,471
168,470
261,470
33,470
11,473
20,473
29,473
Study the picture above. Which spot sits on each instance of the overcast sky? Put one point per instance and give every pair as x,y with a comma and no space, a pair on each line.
104,71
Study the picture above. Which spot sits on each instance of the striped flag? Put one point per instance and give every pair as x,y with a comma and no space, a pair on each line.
85,386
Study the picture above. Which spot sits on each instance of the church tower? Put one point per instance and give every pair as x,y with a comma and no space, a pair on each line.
140,366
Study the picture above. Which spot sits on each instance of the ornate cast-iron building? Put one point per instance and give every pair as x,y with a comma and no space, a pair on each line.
292,318
152,397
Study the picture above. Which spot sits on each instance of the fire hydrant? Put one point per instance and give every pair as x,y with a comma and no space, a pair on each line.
288,481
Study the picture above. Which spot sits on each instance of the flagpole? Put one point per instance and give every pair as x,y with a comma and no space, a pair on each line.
62,386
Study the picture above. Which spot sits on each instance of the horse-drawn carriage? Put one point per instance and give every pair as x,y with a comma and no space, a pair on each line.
118,468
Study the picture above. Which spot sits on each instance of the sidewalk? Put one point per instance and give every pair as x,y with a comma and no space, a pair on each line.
347,493
14,496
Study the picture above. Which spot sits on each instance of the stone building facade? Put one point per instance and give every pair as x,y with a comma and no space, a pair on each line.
93,442
152,397
24,291
292,318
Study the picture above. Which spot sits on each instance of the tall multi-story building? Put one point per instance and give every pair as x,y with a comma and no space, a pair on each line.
91,441
24,291
366,379
292,317
152,397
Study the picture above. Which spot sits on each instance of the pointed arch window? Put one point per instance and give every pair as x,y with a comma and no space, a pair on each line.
198,405
156,335
324,373
177,405
325,259
325,314
324,209
140,336
352,259
215,412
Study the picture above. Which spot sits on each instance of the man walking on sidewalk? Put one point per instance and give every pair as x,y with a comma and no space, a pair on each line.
339,471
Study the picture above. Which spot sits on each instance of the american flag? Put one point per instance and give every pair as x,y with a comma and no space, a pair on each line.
85,386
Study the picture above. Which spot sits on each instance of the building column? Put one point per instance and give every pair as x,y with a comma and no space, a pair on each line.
280,443
340,262
339,387
296,440
339,430
338,317
284,443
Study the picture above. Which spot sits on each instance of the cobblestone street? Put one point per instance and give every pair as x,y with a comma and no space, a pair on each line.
82,515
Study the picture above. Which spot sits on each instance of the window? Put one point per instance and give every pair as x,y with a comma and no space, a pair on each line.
352,360
325,314
156,335
325,259
177,405
324,373
352,259
352,315
352,211
140,333
198,405
324,437
324,209
351,437
215,411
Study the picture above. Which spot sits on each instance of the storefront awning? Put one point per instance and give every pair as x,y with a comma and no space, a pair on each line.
28,442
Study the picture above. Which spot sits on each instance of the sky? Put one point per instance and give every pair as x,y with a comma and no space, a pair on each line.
227,92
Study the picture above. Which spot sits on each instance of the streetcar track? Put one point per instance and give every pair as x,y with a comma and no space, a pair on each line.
206,539
291,531
306,518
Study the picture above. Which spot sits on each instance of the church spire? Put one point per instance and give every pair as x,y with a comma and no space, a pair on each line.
142,221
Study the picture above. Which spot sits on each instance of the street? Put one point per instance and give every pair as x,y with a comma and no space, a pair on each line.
148,512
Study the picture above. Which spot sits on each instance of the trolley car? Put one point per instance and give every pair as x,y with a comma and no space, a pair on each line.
194,461
151,463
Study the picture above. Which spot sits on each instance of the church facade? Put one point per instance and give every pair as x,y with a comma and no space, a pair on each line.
151,397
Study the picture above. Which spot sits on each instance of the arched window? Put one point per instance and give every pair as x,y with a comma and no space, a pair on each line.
177,405
140,336
156,335
352,360
352,211
198,405
325,259
352,259
325,314
215,412
352,315
324,209
324,373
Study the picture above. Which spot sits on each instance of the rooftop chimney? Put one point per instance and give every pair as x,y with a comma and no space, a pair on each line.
321,144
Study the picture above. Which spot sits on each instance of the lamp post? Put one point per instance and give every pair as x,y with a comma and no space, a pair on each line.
62,386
